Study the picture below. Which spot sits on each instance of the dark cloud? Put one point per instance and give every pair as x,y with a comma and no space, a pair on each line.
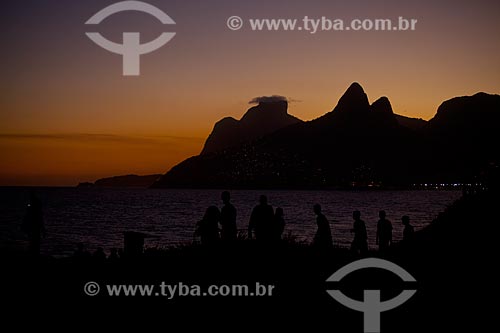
268,99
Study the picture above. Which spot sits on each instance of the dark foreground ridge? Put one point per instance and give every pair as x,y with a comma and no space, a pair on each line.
453,261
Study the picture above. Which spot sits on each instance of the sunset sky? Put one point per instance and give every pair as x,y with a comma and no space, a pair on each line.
67,114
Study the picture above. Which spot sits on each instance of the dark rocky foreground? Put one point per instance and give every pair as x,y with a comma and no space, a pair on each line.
454,262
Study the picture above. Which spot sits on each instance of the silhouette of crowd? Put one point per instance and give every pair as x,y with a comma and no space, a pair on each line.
266,226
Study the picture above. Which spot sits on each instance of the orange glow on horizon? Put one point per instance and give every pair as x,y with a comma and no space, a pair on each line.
57,83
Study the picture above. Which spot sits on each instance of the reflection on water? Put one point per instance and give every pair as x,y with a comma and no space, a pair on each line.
98,217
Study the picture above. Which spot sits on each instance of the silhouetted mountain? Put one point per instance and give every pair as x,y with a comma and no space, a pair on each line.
468,115
125,181
265,118
356,144
354,100
463,136
354,113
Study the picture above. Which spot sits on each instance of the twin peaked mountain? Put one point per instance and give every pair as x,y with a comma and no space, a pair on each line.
355,144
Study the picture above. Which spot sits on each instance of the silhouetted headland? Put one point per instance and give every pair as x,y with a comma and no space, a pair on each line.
128,181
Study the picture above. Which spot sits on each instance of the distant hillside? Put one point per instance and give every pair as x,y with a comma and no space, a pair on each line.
124,181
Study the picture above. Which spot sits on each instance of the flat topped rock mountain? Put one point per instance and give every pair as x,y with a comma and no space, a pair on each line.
356,143
270,115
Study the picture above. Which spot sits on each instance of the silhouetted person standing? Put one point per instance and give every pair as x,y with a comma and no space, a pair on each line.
208,228
360,242
323,238
384,232
261,221
33,224
99,256
408,231
228,218
279,224
81,253
113,256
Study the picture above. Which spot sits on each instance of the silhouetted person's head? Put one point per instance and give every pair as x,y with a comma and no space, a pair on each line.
382,214
212,213
317,209
226,197
356,215
279,212
263,200
406,220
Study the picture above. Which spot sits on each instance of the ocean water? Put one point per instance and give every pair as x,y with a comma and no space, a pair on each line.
98,217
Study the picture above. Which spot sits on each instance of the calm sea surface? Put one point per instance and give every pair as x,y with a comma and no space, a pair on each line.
98,217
